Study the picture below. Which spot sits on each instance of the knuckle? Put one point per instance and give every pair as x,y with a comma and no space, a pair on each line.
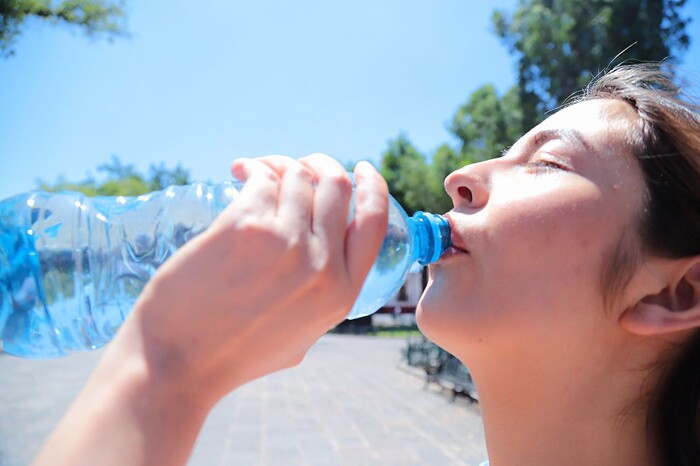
321,261
256,229
341,182
294,361
295,245
299,170
262,169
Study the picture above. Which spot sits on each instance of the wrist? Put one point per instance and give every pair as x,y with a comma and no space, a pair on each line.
126,414
150,379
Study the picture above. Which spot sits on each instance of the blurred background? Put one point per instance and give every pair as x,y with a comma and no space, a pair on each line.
123,97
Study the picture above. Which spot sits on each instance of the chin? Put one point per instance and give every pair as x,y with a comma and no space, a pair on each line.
438,328
431,317
450,322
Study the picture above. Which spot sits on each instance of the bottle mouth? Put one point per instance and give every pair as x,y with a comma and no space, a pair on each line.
436,236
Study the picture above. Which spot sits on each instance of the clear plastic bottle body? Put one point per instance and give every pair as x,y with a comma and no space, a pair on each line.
421,238
72,267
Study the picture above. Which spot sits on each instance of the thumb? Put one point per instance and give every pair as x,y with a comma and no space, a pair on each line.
368,227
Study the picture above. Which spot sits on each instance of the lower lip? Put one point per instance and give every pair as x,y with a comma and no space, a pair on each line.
453,252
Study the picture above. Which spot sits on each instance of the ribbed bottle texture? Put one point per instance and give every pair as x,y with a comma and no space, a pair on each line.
72,267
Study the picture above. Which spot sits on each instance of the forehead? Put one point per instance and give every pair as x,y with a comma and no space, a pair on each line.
605,123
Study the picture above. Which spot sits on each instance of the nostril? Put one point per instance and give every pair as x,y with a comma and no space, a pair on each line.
465,193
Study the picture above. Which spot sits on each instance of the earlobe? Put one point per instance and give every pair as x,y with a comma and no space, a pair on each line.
673,309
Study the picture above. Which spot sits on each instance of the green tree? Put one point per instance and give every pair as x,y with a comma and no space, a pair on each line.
160,177
487,123
94,17
561,44
122,180
408,176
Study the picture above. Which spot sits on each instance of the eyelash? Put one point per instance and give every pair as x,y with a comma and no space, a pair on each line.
547,165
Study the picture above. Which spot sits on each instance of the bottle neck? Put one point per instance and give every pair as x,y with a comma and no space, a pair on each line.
431,236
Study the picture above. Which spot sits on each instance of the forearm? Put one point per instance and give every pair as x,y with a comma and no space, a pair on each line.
125,415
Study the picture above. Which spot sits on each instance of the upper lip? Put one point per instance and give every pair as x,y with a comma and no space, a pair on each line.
455,238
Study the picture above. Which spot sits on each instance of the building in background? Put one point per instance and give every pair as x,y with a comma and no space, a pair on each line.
401,308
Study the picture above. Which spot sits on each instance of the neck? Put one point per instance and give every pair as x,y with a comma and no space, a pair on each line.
585,414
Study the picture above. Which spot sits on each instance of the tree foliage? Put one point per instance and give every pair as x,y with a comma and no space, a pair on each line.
94,17
484,127
561,44
404,169
487,123
122,180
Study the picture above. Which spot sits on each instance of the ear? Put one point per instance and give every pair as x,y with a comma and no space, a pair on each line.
676,307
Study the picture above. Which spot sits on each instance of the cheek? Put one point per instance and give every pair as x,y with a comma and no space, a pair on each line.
554,255
528,274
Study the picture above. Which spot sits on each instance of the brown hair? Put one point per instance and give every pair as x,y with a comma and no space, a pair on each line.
667,147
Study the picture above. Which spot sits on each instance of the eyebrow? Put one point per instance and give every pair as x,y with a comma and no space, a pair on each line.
568,135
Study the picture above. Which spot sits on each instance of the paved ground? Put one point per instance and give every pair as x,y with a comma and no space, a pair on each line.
349,403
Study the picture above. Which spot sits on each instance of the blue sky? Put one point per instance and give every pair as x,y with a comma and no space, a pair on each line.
201,83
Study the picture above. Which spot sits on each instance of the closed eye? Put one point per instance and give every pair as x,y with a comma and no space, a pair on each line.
547,165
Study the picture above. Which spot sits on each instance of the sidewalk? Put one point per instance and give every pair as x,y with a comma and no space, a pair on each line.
349,403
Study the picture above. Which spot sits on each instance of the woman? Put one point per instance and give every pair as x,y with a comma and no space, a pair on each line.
576,287
572,293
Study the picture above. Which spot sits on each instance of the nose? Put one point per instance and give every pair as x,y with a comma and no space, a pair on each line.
468,186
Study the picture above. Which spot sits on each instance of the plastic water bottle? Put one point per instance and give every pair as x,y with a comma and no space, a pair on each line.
72,267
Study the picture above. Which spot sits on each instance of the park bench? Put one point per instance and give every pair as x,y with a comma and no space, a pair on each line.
441,368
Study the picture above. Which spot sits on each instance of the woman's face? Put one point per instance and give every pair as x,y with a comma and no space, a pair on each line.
533,231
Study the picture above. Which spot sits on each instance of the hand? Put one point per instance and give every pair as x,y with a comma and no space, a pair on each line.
275,271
